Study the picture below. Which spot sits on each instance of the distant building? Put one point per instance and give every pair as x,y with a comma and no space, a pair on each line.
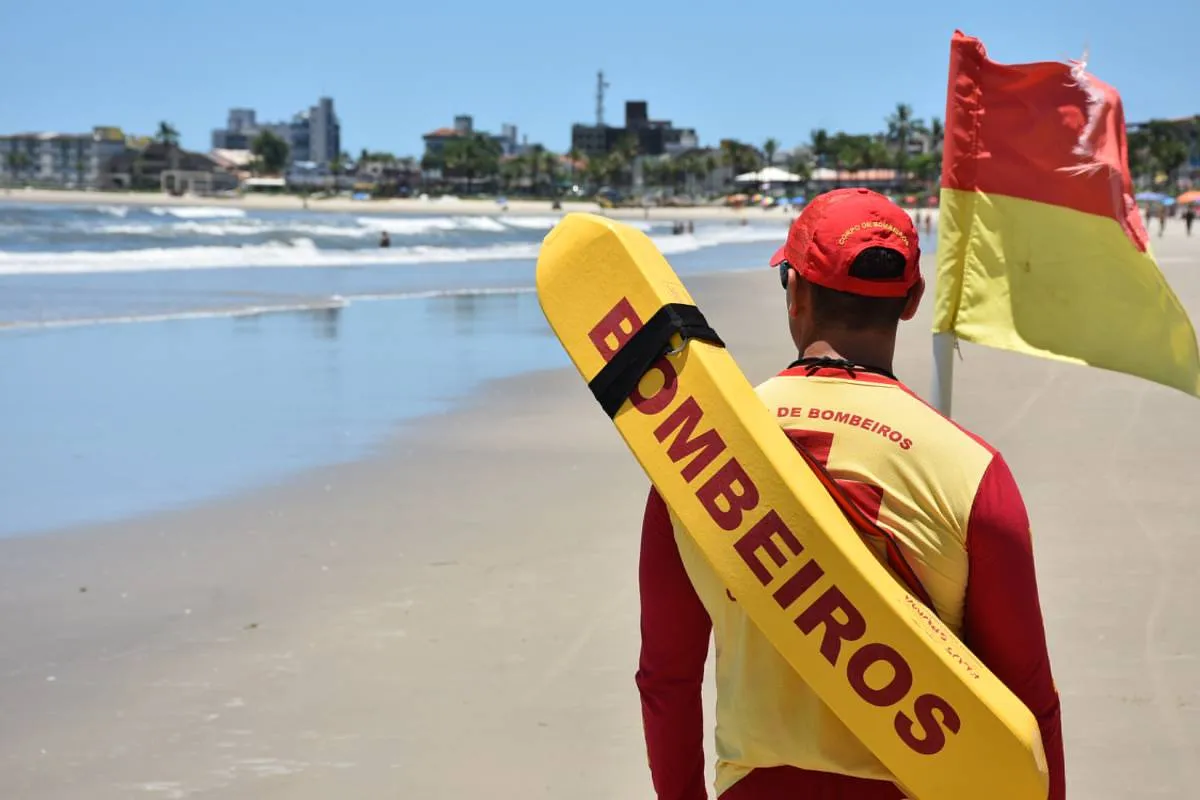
464,126
312,135
595,140
324,132
885,180
59,159
166,167
435,141
654,137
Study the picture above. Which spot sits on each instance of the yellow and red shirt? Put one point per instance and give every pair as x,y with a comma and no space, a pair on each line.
953,508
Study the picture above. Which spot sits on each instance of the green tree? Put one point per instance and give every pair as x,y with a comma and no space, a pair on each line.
924,168
575,157
620,160
510,172
937,134
738,156
471,156
271,152
770,148
459,160
801,164
167,134
692,170
336,167
17,163
820,145
1168,151
710,164
595,169
656,172
433,161
901,127
874,153
551,168
851,154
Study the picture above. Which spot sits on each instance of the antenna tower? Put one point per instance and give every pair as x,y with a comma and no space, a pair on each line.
601,85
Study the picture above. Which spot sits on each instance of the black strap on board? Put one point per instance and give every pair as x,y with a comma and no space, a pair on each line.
613,384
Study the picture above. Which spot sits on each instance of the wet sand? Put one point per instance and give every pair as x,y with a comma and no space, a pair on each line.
456,616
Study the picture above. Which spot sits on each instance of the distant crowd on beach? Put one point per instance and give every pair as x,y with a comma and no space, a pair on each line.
1159,212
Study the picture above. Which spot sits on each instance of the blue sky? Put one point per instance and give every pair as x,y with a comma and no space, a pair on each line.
396,68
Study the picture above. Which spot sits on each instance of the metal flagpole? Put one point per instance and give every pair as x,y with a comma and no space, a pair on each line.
943,371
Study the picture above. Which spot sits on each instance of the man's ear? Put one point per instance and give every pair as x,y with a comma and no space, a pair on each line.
914,300
797,294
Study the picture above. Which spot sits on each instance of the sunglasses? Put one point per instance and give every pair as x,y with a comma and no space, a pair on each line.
784,267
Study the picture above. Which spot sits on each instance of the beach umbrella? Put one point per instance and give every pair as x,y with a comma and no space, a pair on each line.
798,200
1149,197
1188,197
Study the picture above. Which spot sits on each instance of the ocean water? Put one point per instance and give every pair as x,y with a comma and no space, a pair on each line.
155,357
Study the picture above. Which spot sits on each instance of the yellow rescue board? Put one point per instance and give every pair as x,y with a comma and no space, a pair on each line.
944,725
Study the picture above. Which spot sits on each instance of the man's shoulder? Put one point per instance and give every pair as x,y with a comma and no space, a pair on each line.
790,396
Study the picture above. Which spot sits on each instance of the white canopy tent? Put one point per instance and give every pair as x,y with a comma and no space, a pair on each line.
769,175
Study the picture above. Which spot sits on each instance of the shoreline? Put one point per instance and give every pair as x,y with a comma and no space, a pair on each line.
404,206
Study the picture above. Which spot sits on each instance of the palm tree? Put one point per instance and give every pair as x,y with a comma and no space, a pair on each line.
596,170
710,166
271,152
925,167
167,134
819,144
623,156
689,167
655,172
335,169
850,153
550,166
770,148
534,162
874,153
900,130
936,134
801,164
575,157
483,158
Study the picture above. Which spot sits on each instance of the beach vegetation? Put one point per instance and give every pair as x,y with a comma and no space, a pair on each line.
1160,148
270,153
770,148
471,157
167,134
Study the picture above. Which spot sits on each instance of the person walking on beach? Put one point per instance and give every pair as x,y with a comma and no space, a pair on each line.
850,271
1162,220
1189,216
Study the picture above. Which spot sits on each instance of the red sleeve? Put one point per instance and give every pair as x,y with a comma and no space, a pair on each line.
1003,618
675,634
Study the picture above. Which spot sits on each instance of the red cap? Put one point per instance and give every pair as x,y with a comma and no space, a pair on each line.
836,226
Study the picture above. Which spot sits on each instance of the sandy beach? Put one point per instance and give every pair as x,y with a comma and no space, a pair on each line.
456,615
389,206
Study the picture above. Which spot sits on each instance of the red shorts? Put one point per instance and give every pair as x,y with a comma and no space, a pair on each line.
790,783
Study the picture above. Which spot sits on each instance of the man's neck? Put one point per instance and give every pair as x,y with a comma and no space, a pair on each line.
867,353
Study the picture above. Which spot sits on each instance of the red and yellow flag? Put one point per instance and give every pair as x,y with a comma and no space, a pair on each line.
1041,248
